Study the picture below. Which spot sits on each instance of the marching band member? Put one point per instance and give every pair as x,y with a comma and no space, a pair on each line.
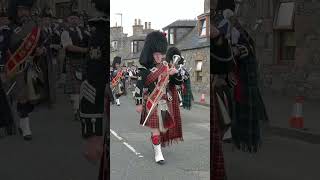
156,94
118,77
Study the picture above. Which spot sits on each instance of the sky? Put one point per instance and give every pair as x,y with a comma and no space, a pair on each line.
159,12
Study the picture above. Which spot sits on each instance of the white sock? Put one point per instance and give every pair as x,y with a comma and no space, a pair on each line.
25,126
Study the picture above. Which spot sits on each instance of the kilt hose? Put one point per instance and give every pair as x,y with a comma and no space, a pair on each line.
216,151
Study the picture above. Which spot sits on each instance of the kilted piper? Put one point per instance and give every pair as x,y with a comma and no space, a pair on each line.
156,95
24,48
118,76
75,41
221,100
6,117
92,95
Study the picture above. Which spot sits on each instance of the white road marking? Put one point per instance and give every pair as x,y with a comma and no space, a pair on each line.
125,143
116,135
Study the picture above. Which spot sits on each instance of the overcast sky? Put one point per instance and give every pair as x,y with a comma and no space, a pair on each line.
159,12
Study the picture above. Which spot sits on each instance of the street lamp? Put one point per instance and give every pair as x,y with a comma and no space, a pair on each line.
121,17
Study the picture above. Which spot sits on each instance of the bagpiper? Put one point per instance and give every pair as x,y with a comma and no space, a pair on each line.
118,77
7,124
48,63
74,40
94,89
156,94
222,84
24,48
184,90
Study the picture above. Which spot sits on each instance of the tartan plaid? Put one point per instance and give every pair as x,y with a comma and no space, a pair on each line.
249,107
72,85
216,151
187,95
173,134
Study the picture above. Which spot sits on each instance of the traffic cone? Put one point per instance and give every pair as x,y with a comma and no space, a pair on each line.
202,99
297,120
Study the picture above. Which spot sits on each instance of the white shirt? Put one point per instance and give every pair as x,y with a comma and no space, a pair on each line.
66,39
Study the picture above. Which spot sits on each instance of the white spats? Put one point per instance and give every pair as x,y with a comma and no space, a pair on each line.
25,126
227,135
118,102
158,154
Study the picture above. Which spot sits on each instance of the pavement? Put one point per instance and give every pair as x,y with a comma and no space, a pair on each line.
279,108
280,158
132,156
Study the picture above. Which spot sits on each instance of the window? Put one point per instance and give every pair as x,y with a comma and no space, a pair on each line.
203,28
204,25
114,45
284,16
167,35
198,70
198,76
287,46
171,36
63,9
198,65
134,46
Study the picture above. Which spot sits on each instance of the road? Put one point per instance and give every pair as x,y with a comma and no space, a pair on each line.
132,156
55,151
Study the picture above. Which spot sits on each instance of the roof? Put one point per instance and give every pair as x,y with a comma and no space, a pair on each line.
192,41
182,23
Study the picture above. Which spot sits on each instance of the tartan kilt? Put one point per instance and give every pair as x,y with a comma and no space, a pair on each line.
216,151
153,121
72,85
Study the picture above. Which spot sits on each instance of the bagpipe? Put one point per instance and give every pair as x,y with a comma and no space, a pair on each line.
185,74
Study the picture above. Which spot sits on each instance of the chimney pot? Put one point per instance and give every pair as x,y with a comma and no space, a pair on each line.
149,25
135,21
146,25
139,22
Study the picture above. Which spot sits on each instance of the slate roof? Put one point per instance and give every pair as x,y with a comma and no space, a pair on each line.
192,41
182,23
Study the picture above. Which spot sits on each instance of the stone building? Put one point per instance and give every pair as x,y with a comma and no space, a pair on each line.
129,48
190,36
287,35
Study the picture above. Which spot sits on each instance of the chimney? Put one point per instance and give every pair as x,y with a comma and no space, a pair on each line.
146,25
149,25
137,28
135,22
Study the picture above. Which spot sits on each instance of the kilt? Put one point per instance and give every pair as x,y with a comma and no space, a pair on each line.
174,124
153,121
72,85
216,151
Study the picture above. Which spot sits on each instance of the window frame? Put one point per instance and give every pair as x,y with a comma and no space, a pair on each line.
116,45
289,27
134,46
174,36
206,18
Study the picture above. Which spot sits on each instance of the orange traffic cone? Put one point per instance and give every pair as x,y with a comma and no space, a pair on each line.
297,120
202,99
